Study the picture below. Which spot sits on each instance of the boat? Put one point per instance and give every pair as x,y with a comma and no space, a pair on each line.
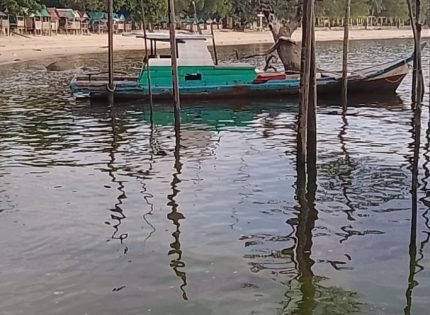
201,78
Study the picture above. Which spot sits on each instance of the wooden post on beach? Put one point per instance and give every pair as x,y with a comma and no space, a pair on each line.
307,87
110,46
417,79
174,56
345,55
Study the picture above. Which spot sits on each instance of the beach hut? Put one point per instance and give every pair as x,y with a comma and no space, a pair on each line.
85,22
55,20
17,24
4,24
69,23
118,23
128,26
39,23
98,21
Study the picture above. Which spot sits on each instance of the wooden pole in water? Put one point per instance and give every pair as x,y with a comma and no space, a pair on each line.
146,56
417,79
312,124
110,46
174,56
304,83
345,55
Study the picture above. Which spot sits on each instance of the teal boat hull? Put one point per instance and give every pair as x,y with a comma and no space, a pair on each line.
233,82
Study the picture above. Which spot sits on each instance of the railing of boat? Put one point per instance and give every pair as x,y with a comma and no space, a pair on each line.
90,75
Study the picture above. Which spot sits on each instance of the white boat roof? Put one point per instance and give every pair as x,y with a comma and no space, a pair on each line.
192,49
190,53
165,37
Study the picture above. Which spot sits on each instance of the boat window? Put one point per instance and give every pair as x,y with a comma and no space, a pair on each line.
193,76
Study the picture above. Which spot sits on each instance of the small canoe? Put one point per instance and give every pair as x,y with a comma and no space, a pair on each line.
200,78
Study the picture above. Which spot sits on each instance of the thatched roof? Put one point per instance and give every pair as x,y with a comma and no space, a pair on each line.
53,13
41,13
66,13
96,16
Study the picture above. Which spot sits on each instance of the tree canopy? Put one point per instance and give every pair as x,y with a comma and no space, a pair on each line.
243,11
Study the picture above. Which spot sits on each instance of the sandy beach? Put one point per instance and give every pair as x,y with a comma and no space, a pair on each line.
16,49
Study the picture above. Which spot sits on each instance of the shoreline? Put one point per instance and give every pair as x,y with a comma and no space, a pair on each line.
17,49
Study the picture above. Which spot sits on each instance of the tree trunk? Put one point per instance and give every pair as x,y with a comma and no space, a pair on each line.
287,49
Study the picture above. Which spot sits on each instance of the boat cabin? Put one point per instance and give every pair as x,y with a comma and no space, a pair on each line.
195,64
192,50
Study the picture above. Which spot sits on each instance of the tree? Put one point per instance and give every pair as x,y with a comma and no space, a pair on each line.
358,8
155,10
91,5
244,11
282,8
376,6
282,30
20,6
395,8
204,8
332,8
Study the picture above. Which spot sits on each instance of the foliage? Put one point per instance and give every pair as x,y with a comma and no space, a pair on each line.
283,9
243,11
19,6
395,8
155,10
359,8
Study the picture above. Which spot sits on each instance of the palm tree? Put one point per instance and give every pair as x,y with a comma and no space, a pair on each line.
376,7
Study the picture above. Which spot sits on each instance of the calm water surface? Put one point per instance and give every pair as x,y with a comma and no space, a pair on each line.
102,212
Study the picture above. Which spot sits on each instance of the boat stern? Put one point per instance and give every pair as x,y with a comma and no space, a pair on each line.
96,86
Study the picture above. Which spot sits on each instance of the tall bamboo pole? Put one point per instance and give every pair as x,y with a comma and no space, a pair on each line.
174,56
417,79
345,55
305,63
312,124
214,43
146,56
110,45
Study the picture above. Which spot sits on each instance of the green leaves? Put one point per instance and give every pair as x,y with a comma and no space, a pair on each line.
243,11
20,7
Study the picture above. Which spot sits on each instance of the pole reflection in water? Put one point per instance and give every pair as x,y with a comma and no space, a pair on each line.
425,200
175,216
426,180
117,212
306,190
148,196
306,294
416,134
345,176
